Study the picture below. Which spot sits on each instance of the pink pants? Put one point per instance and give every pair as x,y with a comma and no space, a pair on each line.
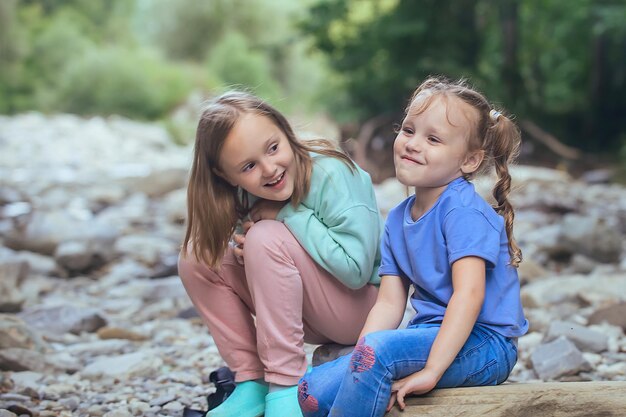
294,301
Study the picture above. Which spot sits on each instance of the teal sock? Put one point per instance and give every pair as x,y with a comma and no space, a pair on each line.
276,387
283,403
247,400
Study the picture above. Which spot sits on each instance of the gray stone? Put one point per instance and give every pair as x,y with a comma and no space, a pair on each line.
174,407
118,413
27,383
46,230
158,182
614,314
138,363
162,400
64,319
592,237
98,347
584,339
12,275
166,288
175,205
38,264
72,403
14,333
581,264
16,359
557,358
530,271
606,287
329,352
82,256
145,249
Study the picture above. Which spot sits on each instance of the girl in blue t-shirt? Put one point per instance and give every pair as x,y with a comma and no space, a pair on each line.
455,250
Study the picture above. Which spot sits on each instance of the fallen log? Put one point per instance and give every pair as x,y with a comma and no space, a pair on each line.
555,399
550,141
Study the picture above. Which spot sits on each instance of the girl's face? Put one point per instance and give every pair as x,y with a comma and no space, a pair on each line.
257,157
431,149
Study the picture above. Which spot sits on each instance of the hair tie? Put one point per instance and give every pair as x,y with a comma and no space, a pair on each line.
494,115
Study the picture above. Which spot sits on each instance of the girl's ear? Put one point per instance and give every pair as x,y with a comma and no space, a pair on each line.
472,161
222,175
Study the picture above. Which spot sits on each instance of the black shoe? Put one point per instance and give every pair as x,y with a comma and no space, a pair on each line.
224,381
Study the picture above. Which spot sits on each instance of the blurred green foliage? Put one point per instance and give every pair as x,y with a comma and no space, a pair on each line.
559,63
143,58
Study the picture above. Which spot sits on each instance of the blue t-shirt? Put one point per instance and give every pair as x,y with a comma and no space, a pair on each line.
460,224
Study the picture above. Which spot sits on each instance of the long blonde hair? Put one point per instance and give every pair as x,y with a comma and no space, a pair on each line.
213,205
494,133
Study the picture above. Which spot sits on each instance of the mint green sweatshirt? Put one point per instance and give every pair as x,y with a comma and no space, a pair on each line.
338,222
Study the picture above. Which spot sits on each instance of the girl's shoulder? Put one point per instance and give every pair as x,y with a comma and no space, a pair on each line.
461,197
327,162
329,167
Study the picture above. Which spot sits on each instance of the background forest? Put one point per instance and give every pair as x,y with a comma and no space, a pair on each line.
558,65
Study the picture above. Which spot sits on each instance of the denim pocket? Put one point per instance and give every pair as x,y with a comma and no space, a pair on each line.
487,375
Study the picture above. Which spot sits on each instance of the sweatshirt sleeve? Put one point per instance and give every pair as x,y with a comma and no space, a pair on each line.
338,224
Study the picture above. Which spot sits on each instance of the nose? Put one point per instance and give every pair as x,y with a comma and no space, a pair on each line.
414,144
268,168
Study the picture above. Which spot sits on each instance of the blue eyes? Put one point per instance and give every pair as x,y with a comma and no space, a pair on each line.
409,132
250,165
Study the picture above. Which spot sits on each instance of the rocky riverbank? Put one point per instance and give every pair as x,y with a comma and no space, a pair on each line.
95,322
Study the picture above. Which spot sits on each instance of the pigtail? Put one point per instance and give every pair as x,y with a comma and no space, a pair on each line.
503,144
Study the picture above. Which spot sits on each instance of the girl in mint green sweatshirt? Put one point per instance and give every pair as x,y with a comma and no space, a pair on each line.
282,248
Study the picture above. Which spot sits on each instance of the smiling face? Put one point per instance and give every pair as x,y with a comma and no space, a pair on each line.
432,147
257,157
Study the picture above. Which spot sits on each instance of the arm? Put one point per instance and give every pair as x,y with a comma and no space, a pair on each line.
390,305
468,281
338,223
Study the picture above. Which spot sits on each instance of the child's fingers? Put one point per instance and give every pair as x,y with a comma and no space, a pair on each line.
247,225
238,248
392,401
239,239
400,398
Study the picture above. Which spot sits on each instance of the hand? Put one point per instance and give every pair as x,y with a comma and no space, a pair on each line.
266,210
420,382
239,240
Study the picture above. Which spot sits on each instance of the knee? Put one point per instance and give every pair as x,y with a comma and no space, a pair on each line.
266,235
309,403
364,356
371,353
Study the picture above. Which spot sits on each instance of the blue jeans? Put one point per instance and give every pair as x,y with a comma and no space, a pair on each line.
359,384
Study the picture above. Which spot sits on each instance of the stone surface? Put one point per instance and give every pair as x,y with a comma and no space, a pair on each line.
64,319
584,339
557,358
614,314
12,274
14,333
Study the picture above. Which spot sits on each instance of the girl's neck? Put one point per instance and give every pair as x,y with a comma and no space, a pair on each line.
425,198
